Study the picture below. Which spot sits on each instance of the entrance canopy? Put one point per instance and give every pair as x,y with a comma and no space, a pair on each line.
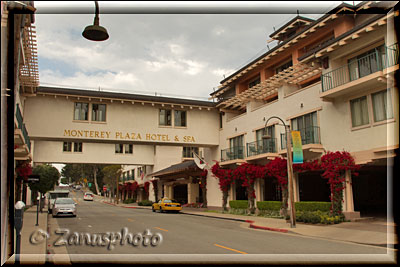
181,170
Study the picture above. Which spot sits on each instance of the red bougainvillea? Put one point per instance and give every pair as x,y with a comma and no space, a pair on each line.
24,170
335,164
133,187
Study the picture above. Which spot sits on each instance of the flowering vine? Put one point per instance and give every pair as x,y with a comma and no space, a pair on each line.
248,173
24,170
146,188
335,164
225,180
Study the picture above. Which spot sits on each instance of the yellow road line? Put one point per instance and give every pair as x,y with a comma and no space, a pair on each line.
76,200
230,249
130,220
161,229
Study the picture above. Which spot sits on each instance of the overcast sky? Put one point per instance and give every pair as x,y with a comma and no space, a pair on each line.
171,54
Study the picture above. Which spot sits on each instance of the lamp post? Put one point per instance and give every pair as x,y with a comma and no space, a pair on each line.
289,168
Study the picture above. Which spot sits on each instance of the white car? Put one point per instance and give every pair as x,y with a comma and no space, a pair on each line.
88,196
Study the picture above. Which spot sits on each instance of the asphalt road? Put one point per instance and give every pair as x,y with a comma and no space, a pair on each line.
186,234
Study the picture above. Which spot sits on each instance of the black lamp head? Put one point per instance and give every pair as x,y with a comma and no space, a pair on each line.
95,32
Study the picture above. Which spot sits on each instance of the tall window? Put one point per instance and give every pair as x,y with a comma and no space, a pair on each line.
382,105
119,148
264,145
165,117
366,63
77,147
236,147
308,127
188,152
359,111
254,82
98,112
283,67
67,146
180,118
81,111
128,148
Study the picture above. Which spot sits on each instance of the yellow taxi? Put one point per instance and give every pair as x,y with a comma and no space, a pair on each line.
166,204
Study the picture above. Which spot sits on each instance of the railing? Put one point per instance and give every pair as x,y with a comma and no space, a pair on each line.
309,135
261,147
232,153
361,67
21,126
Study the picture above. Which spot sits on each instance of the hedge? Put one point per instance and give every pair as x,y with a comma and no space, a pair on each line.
145,203
129,201
312,206
238,204
269,205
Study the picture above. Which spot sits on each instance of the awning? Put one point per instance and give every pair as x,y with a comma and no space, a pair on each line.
180,170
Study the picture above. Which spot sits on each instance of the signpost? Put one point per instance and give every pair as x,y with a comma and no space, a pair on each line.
33,178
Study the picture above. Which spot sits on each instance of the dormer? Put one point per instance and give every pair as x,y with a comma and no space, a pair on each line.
294,26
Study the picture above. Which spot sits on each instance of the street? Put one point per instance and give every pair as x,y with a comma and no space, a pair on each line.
185,234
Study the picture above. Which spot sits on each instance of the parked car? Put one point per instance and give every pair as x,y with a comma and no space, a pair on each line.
88,196
166,204
53,195
64,206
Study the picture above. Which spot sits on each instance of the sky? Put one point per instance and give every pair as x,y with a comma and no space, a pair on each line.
153,51
176,55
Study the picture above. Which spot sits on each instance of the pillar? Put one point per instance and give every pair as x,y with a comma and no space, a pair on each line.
171,191
166,192
348,204
257,187
193,192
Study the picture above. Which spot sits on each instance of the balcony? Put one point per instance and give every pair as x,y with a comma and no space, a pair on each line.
21,139
310,140
233,155
368,71
266,148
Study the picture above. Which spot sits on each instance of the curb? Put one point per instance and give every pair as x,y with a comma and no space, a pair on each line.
252,225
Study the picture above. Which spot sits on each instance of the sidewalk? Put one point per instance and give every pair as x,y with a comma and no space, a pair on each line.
374,232
30,253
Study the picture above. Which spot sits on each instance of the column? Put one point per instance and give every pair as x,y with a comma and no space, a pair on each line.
193,192
166,192
171,191
257,187
348,204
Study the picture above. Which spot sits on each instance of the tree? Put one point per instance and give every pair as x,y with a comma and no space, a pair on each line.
49,176
64,180
76,172
112,173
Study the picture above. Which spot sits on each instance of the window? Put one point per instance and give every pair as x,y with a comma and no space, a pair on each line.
67,147
254,82
265,145
382,105
366,63
119,148
308,127
180,118
77,147
283,67
165,117
221,116
236,147
188,152
81,111
128,148
270,131
359,111
98,112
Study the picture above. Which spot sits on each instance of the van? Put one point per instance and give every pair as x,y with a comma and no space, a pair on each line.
52,195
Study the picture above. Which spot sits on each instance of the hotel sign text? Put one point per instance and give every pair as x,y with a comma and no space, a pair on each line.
129,136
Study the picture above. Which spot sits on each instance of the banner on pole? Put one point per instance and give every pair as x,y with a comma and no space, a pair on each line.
297,148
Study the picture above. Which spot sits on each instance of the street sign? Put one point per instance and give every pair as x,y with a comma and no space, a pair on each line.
104,188
34,178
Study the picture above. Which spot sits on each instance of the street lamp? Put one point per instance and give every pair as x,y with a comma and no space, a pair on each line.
289,168
95,32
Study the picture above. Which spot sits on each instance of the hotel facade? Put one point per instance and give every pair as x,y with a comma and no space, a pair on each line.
332,79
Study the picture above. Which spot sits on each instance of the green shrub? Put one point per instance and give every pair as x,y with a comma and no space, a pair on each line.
312,206
238,211
317,217
145,203
269,205
238,204
129,201
269,213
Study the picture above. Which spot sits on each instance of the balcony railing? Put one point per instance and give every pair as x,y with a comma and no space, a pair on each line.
309,135
261,147
21,126
361,67
232,153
